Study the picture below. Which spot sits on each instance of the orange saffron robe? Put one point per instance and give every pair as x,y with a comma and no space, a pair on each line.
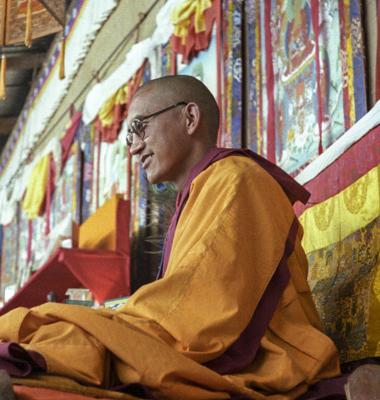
228,242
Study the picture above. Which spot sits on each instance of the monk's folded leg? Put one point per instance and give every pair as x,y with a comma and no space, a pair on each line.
70,351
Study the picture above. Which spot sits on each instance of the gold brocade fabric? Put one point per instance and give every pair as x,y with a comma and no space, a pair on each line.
345,279
36,188
341,240
181,17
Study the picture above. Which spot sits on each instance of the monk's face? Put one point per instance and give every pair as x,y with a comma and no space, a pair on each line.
163,144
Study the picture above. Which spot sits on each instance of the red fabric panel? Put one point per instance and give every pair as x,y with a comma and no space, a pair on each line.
66,143
195,42
122,226
34,393
173,68
67,140
315,23
360,158
109,133
271,136
105,273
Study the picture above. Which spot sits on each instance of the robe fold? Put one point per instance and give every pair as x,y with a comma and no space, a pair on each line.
229,239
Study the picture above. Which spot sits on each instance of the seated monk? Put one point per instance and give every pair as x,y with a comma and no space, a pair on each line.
231,313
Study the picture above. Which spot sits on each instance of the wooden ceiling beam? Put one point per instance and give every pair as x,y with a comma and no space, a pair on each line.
7,124
58,13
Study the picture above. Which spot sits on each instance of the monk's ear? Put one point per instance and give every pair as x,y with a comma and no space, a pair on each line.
193,116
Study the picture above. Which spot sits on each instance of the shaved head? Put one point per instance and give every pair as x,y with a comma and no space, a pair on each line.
174,123
175,88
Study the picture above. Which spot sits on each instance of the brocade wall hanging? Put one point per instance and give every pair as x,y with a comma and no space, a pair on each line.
341,230
86,138
9,256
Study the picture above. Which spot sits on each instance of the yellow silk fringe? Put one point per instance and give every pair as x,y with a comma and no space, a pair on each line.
28,28
3,68
62,59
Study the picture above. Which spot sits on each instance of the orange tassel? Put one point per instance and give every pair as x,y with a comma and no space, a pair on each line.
28,28
62,60
3,68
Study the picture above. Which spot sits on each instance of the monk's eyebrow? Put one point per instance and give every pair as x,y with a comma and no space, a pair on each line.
138,116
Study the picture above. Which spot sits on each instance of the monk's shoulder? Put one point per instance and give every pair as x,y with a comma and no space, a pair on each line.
234,170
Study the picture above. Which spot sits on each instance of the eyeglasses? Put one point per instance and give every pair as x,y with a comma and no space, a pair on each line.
137,125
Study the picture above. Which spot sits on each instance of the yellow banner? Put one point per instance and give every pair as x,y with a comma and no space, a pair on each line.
334,219
181,17
106,113
36,188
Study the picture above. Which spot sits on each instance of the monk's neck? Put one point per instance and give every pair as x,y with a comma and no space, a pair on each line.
191,162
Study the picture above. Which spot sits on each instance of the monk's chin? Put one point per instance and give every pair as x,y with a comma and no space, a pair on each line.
152,178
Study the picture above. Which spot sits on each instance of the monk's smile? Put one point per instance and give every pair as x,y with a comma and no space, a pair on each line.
145,160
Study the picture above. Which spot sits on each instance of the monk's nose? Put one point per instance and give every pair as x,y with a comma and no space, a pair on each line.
137,145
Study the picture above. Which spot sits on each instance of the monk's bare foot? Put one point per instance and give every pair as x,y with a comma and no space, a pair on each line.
6,389
364,383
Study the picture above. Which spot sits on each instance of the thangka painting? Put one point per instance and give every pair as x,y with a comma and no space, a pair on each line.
254,121
166,59
63,196
113,170
295,85
103,177
9,255
87,144
231,135
77,183
38,247
43,23
24,247
302,93
95,171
